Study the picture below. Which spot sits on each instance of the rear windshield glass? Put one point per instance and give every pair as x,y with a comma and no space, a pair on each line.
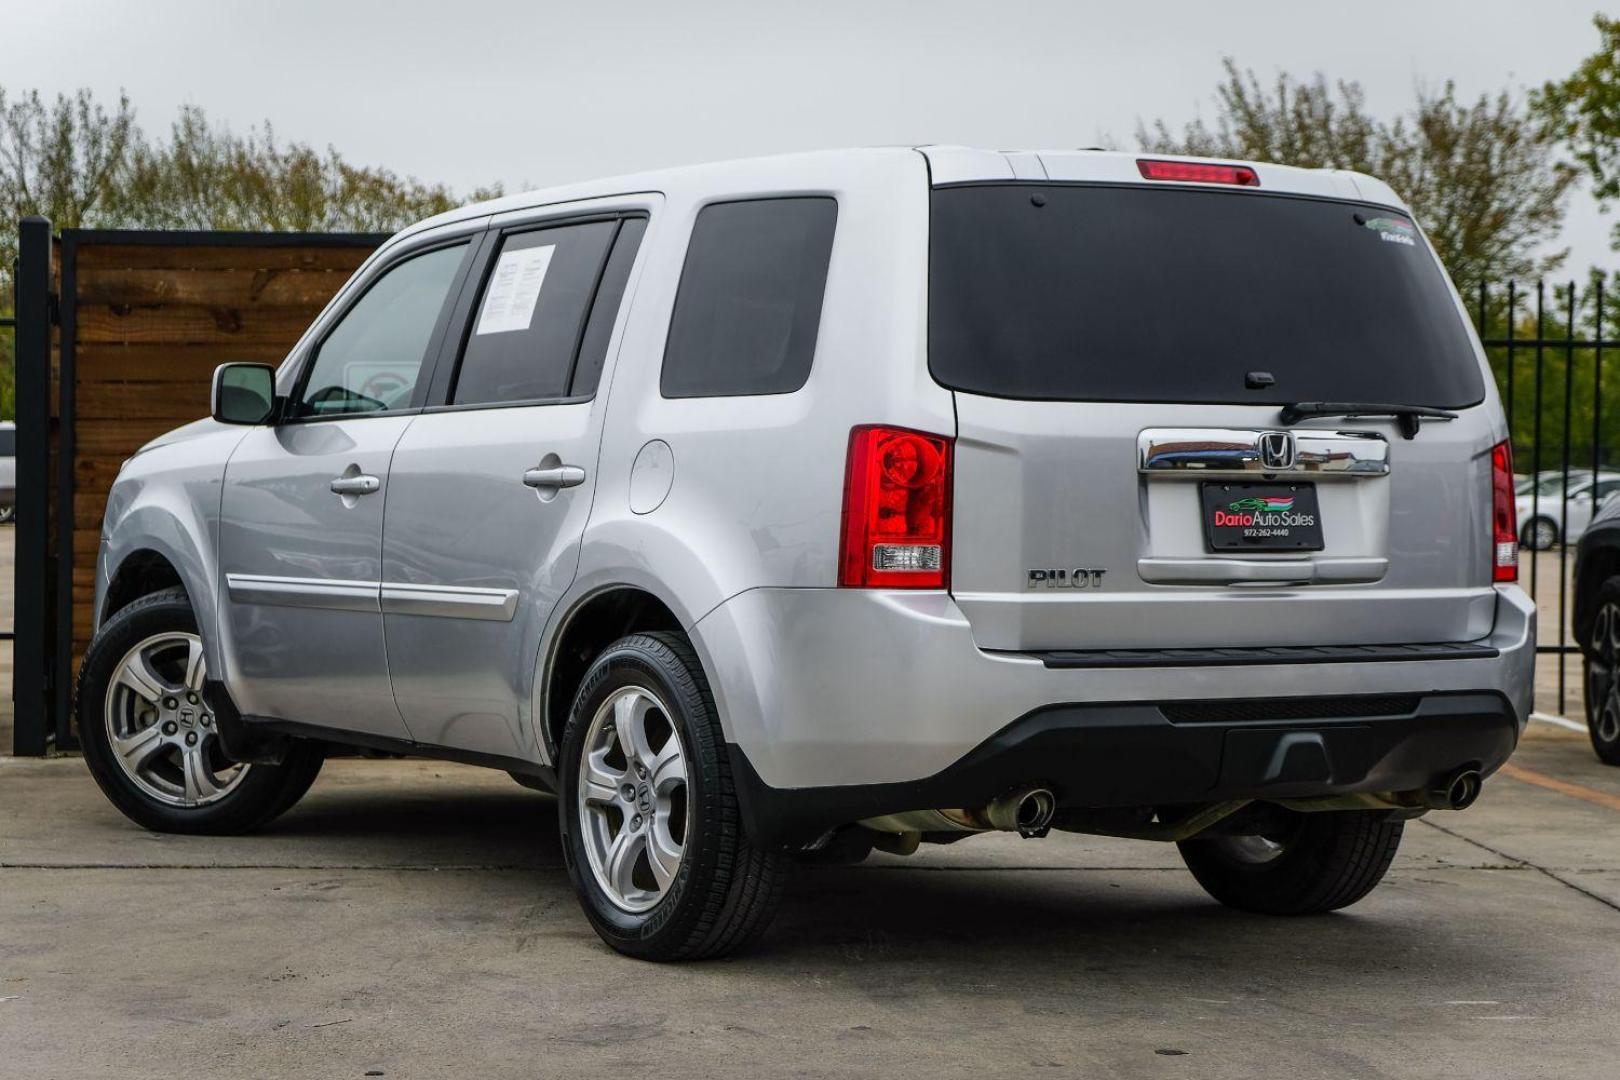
1092,293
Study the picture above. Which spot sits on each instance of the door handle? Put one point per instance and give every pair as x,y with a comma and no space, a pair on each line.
355,485
558,476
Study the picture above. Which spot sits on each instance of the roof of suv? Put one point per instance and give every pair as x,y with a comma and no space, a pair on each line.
946,164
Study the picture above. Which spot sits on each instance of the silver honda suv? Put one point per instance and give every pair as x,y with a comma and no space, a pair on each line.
785,509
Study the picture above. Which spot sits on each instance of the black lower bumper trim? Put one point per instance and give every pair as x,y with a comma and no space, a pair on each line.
1264,654
1133,755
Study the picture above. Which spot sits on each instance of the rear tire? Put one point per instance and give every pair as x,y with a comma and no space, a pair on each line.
1602,664
1539,533
666,871
175,781
1320,862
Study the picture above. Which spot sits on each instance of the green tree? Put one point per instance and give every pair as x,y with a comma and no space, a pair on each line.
1583,111
84,164
207,177
63,159
1483,178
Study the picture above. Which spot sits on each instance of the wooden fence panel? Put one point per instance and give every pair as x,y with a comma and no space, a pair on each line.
152,315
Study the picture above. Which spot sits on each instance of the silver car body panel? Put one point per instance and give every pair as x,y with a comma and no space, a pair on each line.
460,517
301,631
475,561
166,501
1062,484
890,686
463,579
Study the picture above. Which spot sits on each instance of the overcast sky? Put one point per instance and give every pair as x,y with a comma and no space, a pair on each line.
531,93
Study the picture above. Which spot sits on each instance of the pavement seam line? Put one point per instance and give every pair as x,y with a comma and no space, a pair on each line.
1605,901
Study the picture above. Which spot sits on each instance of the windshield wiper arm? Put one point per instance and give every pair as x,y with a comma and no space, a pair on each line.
1411,417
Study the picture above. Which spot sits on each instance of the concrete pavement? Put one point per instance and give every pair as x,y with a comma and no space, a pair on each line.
413,919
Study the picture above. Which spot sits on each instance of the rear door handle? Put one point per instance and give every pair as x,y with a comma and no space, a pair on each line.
558,476
355,485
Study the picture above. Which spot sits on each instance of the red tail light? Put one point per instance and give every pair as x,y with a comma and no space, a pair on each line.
1504,516
1197,172
897,510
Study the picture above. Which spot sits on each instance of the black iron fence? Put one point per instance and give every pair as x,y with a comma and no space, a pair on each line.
32,602
8,335
1547,345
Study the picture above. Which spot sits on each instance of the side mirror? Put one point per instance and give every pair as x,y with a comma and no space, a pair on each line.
243,393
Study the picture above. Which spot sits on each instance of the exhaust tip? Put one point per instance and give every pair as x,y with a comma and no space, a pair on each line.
1026,811
1464,789
1035,811
1455,791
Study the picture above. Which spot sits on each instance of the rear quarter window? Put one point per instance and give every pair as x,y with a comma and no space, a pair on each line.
749,303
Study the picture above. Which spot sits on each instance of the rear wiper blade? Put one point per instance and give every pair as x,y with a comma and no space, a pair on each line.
1411,417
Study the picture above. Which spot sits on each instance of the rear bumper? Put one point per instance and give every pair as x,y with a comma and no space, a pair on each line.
830,688
1132,755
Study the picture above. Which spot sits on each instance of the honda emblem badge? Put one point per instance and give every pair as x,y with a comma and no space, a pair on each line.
1277,449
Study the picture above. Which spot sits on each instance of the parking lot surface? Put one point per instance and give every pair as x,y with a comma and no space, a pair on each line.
413,919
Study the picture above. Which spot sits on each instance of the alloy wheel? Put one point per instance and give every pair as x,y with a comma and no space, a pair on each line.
633,798
162,733
1602,687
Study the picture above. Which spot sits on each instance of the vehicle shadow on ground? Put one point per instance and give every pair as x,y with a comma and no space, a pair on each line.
914,921
494,827
1144,918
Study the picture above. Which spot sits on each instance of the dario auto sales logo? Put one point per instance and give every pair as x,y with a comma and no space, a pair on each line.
1263,511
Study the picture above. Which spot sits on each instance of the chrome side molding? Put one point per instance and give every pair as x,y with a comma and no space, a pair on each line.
333,593
449,602
1193,453
392,598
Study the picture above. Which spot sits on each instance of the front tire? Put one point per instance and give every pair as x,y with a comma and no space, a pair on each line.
1315,862
652,832
1602,663
150,739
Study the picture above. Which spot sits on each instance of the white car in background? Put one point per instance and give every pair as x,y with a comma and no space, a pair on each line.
1524,482
8,471
1547,521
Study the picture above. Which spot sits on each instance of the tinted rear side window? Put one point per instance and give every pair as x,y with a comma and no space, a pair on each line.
1161,294
749,303
531,316
609,295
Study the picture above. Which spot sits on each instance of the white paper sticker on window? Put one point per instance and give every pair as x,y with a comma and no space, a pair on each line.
514,289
